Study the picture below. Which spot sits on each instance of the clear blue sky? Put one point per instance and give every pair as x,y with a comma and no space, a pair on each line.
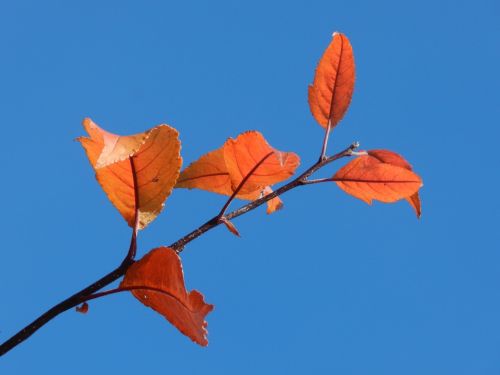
329,284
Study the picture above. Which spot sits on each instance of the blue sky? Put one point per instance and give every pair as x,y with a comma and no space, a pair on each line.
329,284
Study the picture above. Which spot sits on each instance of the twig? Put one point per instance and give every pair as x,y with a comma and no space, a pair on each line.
90,291
178,245
76,298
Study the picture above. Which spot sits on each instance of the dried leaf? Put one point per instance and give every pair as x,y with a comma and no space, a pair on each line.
157,281
222,170
83,308
414,201
389,157
333,85
230,226
367,178
154,156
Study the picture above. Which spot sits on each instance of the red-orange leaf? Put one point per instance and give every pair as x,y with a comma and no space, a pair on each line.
333,85
222,170
389,157
157,281
367,178
241,155
207,173
140,168
83,308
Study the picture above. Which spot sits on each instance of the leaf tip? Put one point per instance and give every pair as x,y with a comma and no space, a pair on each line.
230,226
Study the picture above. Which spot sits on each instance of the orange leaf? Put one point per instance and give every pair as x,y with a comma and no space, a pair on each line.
207,173
222,170
389,157
333,85
140,168
367,178
241,155
157,281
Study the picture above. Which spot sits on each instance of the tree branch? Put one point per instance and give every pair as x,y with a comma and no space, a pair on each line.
178,245
90,291
77,298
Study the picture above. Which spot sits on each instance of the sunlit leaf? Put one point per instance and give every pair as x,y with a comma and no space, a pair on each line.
139,169
367,178
244,152
389,157
333,85
222,170
157,281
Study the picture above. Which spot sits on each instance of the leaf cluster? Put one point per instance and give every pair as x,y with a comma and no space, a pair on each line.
139,172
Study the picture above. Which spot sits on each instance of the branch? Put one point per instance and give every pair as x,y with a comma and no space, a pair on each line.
90,291
76,298
178,245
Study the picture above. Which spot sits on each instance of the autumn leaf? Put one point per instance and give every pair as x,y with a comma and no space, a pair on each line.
241,155
136,171
157,281
83,308
389,157
333,85
207,173
222,170
367,178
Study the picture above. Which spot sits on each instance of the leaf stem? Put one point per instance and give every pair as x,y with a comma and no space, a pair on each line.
325,140
133,241
121,289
